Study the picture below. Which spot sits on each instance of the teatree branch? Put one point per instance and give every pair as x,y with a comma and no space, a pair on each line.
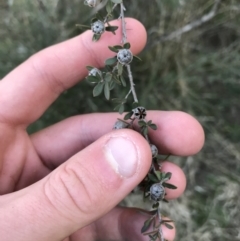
124,40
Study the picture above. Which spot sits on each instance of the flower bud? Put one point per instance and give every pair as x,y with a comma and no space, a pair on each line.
154,150
120,125
157,192
98,27
124,56
94,72
139,113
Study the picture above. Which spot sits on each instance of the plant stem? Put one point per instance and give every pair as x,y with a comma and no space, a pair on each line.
132,83
124,32
160,221
124,40
128,94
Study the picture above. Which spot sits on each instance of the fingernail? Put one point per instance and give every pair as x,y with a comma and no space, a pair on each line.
122,154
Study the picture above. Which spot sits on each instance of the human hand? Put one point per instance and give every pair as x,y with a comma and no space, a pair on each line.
62,183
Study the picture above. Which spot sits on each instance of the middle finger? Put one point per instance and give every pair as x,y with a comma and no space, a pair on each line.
178,134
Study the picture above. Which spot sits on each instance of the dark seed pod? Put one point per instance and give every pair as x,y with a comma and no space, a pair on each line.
98,27
124,56
120,125
157,192
154,150
139,113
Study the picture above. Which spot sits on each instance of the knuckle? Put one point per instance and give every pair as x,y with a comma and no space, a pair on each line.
87,46
39,66
74,191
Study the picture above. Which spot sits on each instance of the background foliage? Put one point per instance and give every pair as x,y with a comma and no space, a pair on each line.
198,72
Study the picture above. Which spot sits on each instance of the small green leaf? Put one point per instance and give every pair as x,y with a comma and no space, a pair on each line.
96,37
99,16
111,61
94,20
153,126
167,221
137,58
92,79
121,109
116,100
117,107
112,85
128,115
168,225
142,123
123,81
167,175
106,90
135,105
81,26
98,89
116,79
152,178
127,46
167,157
108,77
155,205
145,131
111,29
146,225
159,175
168,185
120,69
118,47
89,68
113,49
109,7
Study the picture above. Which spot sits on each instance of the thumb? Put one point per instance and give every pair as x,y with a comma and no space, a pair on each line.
79,191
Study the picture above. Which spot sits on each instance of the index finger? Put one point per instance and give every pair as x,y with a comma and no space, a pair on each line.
28,90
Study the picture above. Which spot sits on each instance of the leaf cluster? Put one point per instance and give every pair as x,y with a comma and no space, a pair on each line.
154,177
155,223
145,125
105,82
104,19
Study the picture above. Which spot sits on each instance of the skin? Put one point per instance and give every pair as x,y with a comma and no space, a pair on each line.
57,184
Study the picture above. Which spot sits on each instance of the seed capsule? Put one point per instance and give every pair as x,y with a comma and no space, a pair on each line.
139,113
154,150
120,125
157,192
98,27
124,56
94,72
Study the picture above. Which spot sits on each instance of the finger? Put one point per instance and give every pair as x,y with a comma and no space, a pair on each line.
178,134
125,224
118,225
178,179
132,221
78,192
40,80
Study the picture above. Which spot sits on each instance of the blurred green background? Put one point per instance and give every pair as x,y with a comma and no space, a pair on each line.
197,72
